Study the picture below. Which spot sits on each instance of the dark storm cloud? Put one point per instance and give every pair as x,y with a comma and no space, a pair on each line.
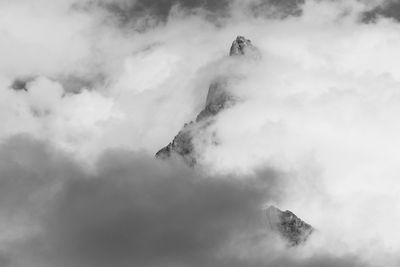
28,171
132,10
390,9
135,211
159,10
276,8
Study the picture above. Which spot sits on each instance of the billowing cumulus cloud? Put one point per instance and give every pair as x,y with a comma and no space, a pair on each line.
90,90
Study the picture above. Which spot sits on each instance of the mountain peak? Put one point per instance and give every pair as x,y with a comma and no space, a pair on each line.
218,99
242,46
291,228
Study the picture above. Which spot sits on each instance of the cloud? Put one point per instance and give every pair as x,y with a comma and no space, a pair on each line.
129,11
132,210
135,210
315,132
387,9
277,9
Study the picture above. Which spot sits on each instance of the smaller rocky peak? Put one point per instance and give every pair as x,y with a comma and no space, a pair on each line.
242,46
290,227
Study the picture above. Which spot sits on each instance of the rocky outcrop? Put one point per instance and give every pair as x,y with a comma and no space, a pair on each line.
218,98
181,145
290,227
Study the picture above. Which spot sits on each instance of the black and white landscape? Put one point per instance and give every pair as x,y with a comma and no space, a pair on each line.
199,133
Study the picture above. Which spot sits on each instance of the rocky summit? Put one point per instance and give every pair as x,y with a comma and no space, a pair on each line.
290,227
218,98
242,46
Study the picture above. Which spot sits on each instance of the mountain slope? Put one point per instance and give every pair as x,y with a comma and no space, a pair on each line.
218,99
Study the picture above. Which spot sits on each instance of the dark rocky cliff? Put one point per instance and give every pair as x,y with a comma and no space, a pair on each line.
290,227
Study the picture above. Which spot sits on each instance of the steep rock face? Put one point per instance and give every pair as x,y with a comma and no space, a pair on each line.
288,225
181,145
218,98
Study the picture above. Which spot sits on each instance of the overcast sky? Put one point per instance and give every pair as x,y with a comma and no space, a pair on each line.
91,90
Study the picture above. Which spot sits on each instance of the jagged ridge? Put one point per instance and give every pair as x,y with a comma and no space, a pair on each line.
217,99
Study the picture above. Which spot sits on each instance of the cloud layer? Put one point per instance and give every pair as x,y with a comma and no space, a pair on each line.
135,210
